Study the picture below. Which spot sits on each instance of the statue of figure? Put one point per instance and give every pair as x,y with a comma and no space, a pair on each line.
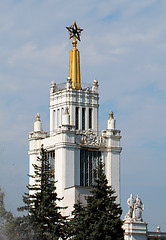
138,208
38,117
66,110
111,115
130,203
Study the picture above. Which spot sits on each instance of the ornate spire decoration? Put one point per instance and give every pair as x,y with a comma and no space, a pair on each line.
74,31
74,58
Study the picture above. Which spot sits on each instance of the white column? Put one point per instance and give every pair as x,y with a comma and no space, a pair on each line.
56,119
72,114
80,118
51,121
115,173
94,119
62,113
86,118
112,161
60,117
97,120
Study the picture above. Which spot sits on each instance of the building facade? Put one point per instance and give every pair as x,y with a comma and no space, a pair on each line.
74,143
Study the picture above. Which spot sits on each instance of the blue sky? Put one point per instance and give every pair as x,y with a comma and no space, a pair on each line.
123,46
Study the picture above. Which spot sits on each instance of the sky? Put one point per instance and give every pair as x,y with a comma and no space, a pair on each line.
123,46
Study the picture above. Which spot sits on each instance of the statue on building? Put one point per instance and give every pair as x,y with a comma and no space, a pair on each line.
67,110
138,209
130,203
111,115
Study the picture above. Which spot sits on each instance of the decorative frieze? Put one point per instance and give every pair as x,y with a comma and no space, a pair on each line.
92,139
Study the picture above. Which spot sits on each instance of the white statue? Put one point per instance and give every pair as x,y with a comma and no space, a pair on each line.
67,110
111,115
135,209
138,209
130,203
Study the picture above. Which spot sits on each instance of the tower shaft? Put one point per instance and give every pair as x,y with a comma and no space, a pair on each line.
74,66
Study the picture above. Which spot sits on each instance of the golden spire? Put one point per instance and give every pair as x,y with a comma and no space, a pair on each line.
74,58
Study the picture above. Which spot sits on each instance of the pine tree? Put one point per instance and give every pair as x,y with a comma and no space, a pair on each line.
78,226
11,227
41,202
5,217
101,218
20,228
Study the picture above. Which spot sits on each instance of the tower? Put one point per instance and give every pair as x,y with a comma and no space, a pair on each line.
74,143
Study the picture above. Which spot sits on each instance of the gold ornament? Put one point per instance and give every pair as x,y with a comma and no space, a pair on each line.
74,31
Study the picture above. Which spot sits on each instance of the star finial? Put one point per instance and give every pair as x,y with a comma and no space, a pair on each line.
74,31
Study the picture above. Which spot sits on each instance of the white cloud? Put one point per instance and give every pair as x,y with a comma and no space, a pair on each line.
123,46
31,54
118,51
154,67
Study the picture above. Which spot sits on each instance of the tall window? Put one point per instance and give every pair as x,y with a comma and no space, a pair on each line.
90,118
77,118
83,118
51,158
88,164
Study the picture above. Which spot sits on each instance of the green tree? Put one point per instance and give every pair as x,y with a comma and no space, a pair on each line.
41,202
101,218
5,217
78,225
20,228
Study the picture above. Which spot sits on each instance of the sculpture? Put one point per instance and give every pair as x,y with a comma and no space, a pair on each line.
38,117
130,203
135,209
67,110
91,138
138,208
111,115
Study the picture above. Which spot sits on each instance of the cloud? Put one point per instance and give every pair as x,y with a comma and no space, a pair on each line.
122,45
152,68
118,51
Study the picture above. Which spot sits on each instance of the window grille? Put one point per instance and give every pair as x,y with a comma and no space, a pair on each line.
51,158
77,119
83,118
90,118
88,165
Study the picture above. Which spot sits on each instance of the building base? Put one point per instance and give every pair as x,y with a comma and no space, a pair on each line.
135,230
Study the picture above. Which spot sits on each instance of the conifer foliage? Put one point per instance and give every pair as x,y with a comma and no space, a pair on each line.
5,218
101,218
41,201
78,225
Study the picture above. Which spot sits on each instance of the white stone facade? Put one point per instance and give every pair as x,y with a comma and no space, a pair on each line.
75,142
135,230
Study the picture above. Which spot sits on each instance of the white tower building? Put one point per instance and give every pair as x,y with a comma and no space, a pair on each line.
74,144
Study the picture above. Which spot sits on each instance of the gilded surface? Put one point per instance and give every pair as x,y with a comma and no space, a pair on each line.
74,31
74,57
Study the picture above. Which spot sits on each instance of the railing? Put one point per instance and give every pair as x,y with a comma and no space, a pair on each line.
84,86
79,132
156,235
99,134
